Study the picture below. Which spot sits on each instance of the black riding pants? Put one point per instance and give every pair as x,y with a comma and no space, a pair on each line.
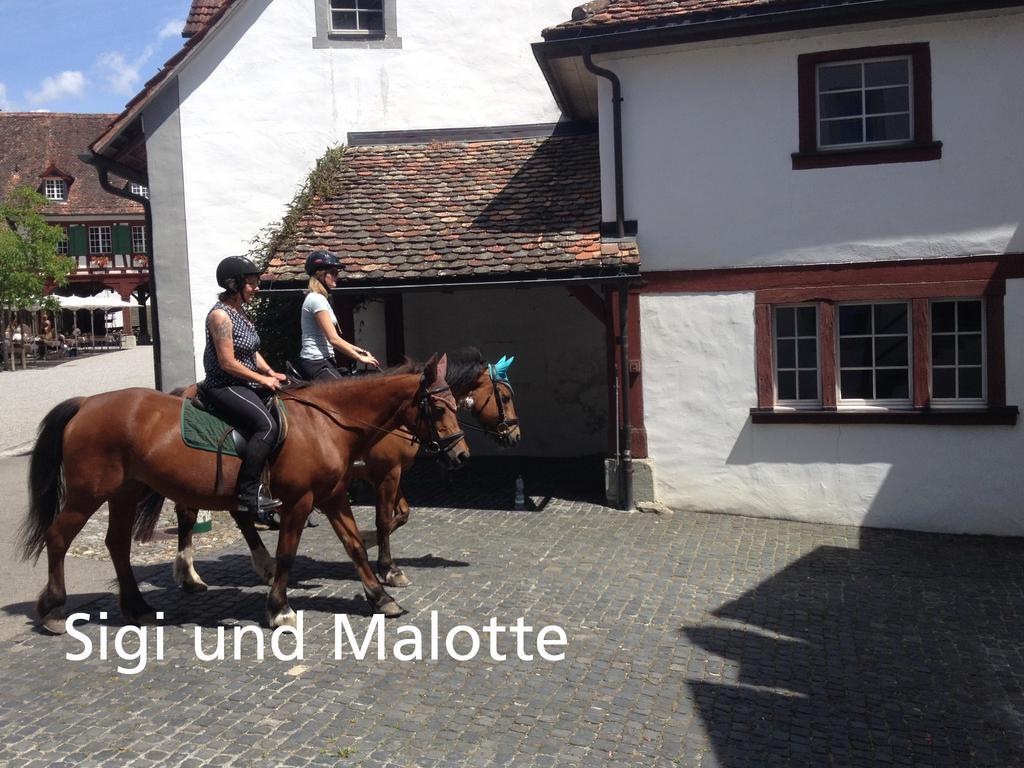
242,408
319,370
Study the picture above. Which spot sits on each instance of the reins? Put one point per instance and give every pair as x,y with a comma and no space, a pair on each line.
436,444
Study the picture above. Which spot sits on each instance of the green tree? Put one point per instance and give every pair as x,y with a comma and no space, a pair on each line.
29,261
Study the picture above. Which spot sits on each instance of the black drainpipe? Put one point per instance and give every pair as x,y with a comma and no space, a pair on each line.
620,204
625,443
103,167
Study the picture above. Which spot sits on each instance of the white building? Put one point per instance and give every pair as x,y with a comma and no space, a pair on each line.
828,214
824,195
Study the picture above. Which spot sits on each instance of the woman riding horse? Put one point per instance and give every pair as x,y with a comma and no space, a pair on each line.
238,378
320,337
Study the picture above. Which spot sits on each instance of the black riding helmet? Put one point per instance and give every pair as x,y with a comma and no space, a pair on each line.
232,268
318,260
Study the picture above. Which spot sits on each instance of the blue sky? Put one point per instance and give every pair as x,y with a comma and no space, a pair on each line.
83,55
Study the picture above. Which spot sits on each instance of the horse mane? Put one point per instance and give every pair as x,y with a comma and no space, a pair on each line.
464,366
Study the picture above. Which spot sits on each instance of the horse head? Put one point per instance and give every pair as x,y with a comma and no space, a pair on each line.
492,402
437,424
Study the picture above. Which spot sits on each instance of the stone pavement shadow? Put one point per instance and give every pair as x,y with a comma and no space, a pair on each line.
907,651
488,482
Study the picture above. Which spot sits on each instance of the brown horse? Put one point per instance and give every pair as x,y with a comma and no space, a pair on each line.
478,389
125,448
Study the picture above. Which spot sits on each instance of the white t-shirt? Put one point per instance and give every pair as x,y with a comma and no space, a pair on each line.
314,343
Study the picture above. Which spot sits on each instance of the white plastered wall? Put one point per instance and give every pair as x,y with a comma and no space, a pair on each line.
709,129
259,104
698,352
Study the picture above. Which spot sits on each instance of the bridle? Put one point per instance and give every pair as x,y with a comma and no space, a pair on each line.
504,426
434,446
438,444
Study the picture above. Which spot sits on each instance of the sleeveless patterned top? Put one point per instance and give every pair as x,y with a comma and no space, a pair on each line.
244,339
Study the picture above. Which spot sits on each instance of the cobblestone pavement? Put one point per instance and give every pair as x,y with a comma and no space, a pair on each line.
693,639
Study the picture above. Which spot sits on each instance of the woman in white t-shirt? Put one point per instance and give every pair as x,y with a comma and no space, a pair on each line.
320,337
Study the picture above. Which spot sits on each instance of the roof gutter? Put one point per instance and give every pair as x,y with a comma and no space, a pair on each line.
461,285
607,74
568,42
104,167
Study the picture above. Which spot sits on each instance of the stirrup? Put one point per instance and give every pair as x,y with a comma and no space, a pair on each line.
265,502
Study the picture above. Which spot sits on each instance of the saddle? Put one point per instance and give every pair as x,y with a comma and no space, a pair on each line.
205,431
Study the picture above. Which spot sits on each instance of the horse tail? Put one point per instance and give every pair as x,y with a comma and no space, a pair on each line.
147,512
46,489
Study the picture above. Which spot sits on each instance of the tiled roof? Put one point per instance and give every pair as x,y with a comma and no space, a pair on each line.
200,14
34,143
453,210
603,16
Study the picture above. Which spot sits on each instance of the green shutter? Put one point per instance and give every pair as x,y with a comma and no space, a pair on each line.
122,238
78,241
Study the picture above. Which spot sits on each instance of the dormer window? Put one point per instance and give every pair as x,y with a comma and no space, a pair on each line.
55,189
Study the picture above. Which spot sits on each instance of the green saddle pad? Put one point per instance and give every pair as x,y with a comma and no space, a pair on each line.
203,430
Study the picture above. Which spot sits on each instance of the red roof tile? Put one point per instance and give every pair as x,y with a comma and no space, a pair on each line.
460,209
36,143
604,16
199,15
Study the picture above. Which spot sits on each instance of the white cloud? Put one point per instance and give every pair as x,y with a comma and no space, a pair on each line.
5,105
120,74
171,29
67,83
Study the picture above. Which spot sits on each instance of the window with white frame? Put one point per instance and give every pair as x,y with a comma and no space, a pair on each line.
865,103
62,244
99,240
874,352
362,24
957,350
864,106
796,355
138,189
357,16
138,239
55,189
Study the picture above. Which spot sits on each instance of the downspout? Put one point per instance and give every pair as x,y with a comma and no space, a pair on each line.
626,443
625,457
620,204
103,168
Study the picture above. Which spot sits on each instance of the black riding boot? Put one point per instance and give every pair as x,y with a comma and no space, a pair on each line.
251,497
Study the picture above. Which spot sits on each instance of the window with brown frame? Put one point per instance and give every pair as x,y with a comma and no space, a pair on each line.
864,106
916,353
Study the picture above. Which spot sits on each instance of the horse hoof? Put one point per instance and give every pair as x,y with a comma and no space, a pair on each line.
194,586
284,619
391,610
55,624
396,578
147,619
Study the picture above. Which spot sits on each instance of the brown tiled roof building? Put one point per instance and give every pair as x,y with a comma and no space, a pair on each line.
461,210
38,144
200,13
603,16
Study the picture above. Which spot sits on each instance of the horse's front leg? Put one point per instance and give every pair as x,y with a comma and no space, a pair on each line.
388,491
262,562
293,522
185,574
339,513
